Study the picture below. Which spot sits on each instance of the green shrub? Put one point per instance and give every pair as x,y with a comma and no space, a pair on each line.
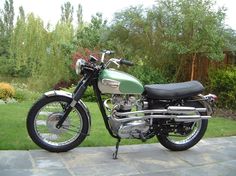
223,83
88,95
6,91
148,75
26,95
22,93
20,96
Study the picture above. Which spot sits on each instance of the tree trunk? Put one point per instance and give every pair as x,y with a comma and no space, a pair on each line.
181,70
193,66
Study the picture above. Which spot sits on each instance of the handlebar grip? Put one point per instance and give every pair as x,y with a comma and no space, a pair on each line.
126,62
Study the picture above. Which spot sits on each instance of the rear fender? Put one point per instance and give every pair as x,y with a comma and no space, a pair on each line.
201,99
69,95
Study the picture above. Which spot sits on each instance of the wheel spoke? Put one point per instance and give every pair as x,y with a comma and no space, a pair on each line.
64,127
49,136
45,113
181,138
41,122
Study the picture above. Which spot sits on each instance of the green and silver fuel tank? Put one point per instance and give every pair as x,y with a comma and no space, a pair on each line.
117,82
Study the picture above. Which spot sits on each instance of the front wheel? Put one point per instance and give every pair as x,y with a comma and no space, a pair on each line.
177,141
43,118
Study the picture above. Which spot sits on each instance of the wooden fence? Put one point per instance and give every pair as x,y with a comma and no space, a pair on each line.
203,64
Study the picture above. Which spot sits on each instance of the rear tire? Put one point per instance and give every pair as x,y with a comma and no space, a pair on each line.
193,140
43,139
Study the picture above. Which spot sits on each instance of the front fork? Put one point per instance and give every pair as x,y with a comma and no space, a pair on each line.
77,95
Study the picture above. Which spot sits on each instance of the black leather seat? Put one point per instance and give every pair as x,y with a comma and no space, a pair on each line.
173,91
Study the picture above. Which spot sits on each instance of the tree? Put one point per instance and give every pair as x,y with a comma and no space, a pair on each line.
28,46
80,16
18,57
67,12
57,59
90,36
6,27
21,13
173,30
230,39
192,28
128,28
136,34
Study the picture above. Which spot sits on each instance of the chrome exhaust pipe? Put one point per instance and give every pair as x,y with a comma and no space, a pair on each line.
169,110
179,114
183,118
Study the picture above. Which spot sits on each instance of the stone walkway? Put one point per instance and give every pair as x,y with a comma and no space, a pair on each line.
211,157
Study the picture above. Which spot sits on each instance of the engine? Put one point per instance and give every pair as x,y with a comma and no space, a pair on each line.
133,128
123,103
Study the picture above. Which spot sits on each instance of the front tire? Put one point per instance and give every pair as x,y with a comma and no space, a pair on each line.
43,117
194,137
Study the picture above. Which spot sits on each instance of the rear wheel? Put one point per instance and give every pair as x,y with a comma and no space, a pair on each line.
185,139
43,118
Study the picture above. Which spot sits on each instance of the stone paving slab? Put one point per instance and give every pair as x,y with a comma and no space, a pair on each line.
35,172
15,160
211,157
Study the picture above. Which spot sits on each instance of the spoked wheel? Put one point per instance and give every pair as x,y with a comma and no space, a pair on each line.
43,118
191,133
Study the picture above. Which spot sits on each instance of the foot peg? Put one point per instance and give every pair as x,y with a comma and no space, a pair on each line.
117,148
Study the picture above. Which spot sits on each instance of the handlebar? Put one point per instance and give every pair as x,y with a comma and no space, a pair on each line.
116,61
126,62
83,66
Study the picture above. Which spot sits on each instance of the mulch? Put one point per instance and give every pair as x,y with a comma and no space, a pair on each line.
226,113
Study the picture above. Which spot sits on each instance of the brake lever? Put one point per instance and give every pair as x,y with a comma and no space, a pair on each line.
116,63
113,60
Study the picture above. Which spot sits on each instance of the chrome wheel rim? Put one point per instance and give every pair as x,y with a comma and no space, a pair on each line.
47,118
180,139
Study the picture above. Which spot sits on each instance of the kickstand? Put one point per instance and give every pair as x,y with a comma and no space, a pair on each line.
117,148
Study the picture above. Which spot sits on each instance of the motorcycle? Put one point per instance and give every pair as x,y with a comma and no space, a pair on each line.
177,113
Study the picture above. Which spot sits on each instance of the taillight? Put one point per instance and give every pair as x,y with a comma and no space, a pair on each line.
214,97
211,98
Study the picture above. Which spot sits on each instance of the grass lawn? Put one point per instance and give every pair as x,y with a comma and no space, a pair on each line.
13,133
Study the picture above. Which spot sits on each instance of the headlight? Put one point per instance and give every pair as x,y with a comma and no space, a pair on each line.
79,63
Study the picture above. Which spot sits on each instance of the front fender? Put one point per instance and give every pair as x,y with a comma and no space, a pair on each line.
69,95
